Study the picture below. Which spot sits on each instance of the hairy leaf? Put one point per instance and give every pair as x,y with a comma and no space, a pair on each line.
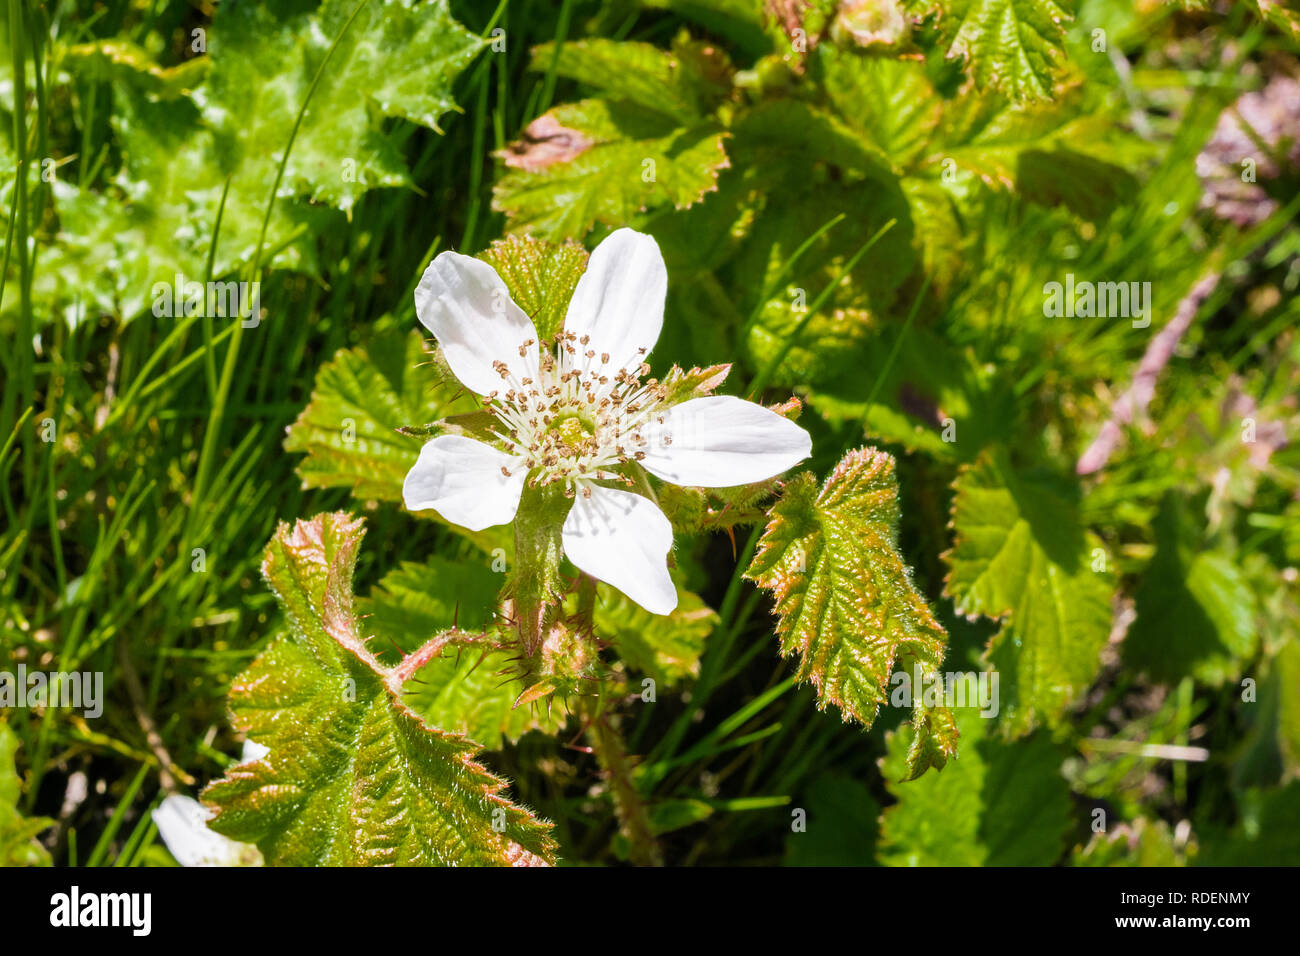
541,277
1013,45
1021,556
353,776
617,160
188,133
349,428
845,596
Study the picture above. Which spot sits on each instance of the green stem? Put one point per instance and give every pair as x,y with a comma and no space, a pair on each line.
633,816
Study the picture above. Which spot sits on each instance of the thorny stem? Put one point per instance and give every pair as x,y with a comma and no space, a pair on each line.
611,753
411,663
633,816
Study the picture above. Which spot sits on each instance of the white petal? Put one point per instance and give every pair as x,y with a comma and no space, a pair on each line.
721,441
253,751
623,539
183,825
461,479
466,306
619,301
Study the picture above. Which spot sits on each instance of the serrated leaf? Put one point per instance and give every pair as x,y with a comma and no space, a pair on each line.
114,250
845,597
18,844
183,131
1195,609
665,647
1020,555
541,276
396,59
117,58
353,776
1013,45
360,399
619,160
891,103
465,689
996,804
684,85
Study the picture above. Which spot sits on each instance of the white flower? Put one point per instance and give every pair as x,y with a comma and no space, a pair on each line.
183,825
575,412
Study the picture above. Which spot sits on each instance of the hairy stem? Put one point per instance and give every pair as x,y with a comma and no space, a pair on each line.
633,815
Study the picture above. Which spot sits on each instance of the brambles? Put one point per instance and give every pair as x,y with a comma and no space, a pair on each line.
933,365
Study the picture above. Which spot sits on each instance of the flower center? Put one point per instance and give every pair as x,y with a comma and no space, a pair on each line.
583,418
573,431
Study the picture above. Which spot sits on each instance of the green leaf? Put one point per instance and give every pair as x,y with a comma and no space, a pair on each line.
832,339
684,85
1012,45
615,161
396,59
18,844
1195,609
845,596
997,804
353,776
360,399
931,398
665,647
1021,556
463,689
184,131
1067,151
841,826
541,277
739,20
890,103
